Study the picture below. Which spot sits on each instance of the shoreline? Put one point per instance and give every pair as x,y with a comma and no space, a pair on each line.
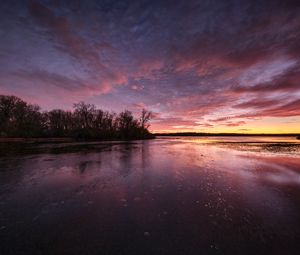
75,140
60,140
296,135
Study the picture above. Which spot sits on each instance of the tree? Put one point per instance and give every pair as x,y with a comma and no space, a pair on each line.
145,118
85,114
127,125
7,108
20,119
60,123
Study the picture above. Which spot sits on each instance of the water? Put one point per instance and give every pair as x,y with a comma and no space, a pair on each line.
222,195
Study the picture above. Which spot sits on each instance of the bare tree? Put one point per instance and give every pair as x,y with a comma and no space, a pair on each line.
20,119
146,116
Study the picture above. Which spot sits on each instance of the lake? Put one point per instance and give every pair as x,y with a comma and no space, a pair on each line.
170,195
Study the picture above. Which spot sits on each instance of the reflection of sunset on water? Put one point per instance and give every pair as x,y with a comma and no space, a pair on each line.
207,191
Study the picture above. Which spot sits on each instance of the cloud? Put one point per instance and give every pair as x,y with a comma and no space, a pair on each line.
234,124
258,103
83,49
285,110
290,109
287,82
196,64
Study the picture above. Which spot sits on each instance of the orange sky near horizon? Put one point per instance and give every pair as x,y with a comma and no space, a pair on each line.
269,125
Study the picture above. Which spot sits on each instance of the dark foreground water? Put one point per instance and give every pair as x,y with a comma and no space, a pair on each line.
164,196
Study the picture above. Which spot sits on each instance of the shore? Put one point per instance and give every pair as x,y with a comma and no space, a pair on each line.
60,139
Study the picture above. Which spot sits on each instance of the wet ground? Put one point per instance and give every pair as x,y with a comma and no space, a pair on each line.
238,195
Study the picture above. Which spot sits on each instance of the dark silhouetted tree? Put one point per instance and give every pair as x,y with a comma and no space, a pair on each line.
20,119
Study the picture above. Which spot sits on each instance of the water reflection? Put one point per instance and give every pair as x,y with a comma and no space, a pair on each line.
165,196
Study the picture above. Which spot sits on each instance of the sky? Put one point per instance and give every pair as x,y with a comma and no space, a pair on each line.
199,66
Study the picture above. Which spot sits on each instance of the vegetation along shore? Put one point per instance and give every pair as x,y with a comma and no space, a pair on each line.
19,119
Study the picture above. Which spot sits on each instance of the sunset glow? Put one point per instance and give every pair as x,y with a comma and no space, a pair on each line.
199,66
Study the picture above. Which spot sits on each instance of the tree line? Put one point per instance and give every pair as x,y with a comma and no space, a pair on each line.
21,119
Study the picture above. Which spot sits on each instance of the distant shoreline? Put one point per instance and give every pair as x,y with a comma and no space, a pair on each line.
155,135
223,134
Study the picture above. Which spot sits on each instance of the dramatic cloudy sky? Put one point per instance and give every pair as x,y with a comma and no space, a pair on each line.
203,65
